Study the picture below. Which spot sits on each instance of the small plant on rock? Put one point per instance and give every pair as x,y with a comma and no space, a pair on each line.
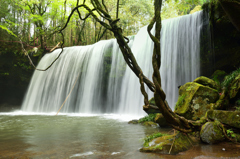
149,117
149,138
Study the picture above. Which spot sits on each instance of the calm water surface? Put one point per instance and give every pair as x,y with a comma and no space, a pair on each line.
96,137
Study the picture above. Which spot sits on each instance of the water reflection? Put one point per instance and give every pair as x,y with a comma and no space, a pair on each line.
39,136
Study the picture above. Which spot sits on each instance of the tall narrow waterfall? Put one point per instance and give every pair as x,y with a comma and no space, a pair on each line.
104,83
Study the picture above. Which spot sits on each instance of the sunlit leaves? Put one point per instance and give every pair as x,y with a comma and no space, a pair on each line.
8,31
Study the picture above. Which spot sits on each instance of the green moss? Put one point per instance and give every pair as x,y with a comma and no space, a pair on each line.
152,101
179,142
231,118
207,82
150,117
150,123
195,100
149,138
182,105
180,100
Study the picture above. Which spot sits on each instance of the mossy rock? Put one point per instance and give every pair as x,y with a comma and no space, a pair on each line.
161,120
133,122
211,132
163,144
195,100
150,123
231,118
207,82
234,87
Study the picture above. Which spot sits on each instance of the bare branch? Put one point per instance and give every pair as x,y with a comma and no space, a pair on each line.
104,6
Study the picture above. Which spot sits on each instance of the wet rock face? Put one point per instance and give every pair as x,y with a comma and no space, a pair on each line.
231,118
196,99
211,133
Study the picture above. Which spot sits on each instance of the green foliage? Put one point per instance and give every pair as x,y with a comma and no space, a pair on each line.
229,78
238,102
230,133
4,74
217,74
174,8
8,31
237,108
149,117
149,138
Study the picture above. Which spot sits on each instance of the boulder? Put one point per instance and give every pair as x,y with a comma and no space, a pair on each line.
133,122
231,118
195,100
211,132
150,123
179,142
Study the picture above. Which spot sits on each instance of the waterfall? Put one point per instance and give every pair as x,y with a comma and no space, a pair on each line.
104,83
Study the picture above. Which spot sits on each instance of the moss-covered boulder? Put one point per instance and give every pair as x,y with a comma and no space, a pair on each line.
195,100
149,123
231,118
161,120
234,88
133,122
179,142
207,82
212,132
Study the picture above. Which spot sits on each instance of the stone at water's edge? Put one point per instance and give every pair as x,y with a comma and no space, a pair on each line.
212,133
133,122
231,118
150,123
195,100
163,144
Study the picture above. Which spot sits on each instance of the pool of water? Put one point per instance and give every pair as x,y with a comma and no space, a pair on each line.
87,136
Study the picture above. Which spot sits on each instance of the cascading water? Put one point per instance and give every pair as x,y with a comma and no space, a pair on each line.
104,84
